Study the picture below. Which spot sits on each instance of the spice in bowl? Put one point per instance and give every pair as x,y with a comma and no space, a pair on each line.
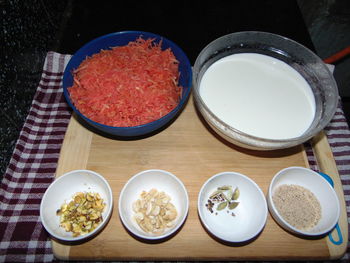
154,212
82,214
223,198
297,205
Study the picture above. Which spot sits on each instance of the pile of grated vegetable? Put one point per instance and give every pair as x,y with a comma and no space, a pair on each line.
127,85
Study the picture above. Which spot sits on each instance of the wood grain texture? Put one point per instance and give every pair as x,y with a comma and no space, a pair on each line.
193,152
75,148
328,166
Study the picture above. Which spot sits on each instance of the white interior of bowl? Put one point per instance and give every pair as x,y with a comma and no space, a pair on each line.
323,191
250,215
62,190
145,181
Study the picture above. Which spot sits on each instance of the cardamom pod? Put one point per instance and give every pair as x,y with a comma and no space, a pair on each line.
222,206
236,194
233,205
215,193
225,187
229,195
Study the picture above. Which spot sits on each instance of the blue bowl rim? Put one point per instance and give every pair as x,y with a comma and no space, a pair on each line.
115,128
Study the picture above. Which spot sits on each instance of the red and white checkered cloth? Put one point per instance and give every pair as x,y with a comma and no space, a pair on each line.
34,161
32,169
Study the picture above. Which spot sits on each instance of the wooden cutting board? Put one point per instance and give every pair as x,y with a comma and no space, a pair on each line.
193,152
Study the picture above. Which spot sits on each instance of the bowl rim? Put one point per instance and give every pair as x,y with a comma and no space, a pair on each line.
288,226
257,140
184,95
98,228
172,230
256,186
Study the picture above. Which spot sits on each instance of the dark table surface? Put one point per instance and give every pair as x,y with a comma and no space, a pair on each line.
190,24
31,28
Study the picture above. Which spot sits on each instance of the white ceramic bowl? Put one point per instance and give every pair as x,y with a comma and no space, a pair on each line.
249,216
62,190
322,190
145,181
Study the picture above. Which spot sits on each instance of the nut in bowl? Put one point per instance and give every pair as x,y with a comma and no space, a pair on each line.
232,207
76,206
303,202
128,84
153,204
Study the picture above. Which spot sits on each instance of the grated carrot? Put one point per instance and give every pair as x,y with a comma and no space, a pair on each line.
127,85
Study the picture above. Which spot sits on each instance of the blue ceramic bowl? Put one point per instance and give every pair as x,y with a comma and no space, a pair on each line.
122,39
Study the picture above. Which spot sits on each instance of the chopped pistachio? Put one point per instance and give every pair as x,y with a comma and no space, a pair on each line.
82,214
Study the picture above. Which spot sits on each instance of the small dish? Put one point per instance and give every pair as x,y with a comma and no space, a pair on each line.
162,181
62,191
242,223
321,189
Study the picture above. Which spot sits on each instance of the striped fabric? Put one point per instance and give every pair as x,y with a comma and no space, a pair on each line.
338,135
34,161
32,168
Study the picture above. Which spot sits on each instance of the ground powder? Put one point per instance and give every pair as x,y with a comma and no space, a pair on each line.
297,205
